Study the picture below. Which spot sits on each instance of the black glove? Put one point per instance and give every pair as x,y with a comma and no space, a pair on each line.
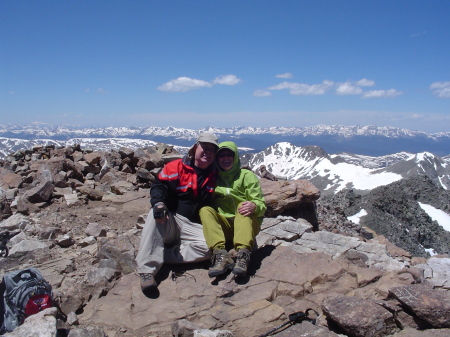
159,210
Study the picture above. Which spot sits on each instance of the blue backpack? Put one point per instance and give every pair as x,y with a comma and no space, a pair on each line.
25,292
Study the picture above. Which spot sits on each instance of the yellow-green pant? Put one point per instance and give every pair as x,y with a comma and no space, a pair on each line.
218,230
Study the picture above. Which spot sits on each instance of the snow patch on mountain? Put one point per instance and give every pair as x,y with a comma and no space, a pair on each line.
357,217
442,218
312,163
333,173
373,162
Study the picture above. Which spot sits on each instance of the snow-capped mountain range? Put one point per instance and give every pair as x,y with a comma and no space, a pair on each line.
329,172
368,140
333,173
369,181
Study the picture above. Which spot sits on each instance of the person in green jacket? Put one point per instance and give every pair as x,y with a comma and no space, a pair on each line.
236,216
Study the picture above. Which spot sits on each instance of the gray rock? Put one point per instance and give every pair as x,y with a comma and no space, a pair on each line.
25,246
42,324
97,275
59,192
437,271
16,221
87,332
64,241
91,193
90,240
121,187
184,328
72,319
96,230
72,200
49,233
432,306
359,317
40,193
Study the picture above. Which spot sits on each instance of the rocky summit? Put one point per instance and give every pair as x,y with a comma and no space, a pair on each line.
77,216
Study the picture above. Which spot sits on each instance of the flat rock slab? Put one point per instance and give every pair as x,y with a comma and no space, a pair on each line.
283,265
433,306
245,307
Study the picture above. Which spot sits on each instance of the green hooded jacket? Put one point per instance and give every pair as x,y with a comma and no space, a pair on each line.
237,185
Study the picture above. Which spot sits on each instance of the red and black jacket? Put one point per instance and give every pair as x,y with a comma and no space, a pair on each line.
177,187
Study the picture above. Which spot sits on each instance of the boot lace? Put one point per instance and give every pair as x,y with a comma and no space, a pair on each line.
243,257
217,259
146,277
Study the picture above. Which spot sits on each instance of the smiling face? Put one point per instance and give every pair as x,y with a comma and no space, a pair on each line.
205,153
225,159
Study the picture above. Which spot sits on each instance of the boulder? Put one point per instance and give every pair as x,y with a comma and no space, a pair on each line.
40,193
42,324
285,195
432,306
9,179
359,317
93,158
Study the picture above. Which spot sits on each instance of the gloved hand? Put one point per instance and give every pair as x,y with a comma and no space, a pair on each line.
159,211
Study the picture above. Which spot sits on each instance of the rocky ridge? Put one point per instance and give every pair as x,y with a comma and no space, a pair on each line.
395,211
77,216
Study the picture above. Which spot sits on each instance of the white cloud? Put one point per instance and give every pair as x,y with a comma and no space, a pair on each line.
353,88
417,116
304,89
364,82
419,34
391,93
262,93
11,92
441,89
227,80
285,75
102,91
183,84
348,88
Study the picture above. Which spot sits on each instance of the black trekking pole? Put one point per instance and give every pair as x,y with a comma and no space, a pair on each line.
296,317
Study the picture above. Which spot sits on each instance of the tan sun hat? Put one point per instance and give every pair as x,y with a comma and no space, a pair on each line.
204,137
208,137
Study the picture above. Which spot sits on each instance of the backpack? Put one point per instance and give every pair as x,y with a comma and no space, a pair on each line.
26,293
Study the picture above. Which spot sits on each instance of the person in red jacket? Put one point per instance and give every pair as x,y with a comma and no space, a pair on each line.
172,232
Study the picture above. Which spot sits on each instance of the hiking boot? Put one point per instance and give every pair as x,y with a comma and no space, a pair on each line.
221,263
242,261
148,282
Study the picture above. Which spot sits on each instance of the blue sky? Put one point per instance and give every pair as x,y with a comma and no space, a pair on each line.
226,63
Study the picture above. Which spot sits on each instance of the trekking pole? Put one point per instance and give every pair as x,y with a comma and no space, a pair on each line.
296,317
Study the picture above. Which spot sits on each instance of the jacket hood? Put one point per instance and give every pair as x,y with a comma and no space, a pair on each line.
236,163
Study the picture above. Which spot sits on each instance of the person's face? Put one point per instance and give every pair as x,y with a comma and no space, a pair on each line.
205,153
225,159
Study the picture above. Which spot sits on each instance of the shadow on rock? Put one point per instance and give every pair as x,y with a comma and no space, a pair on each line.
257,257
152,293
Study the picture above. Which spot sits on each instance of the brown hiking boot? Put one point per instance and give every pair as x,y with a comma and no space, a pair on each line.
148,282
242,261
221,263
